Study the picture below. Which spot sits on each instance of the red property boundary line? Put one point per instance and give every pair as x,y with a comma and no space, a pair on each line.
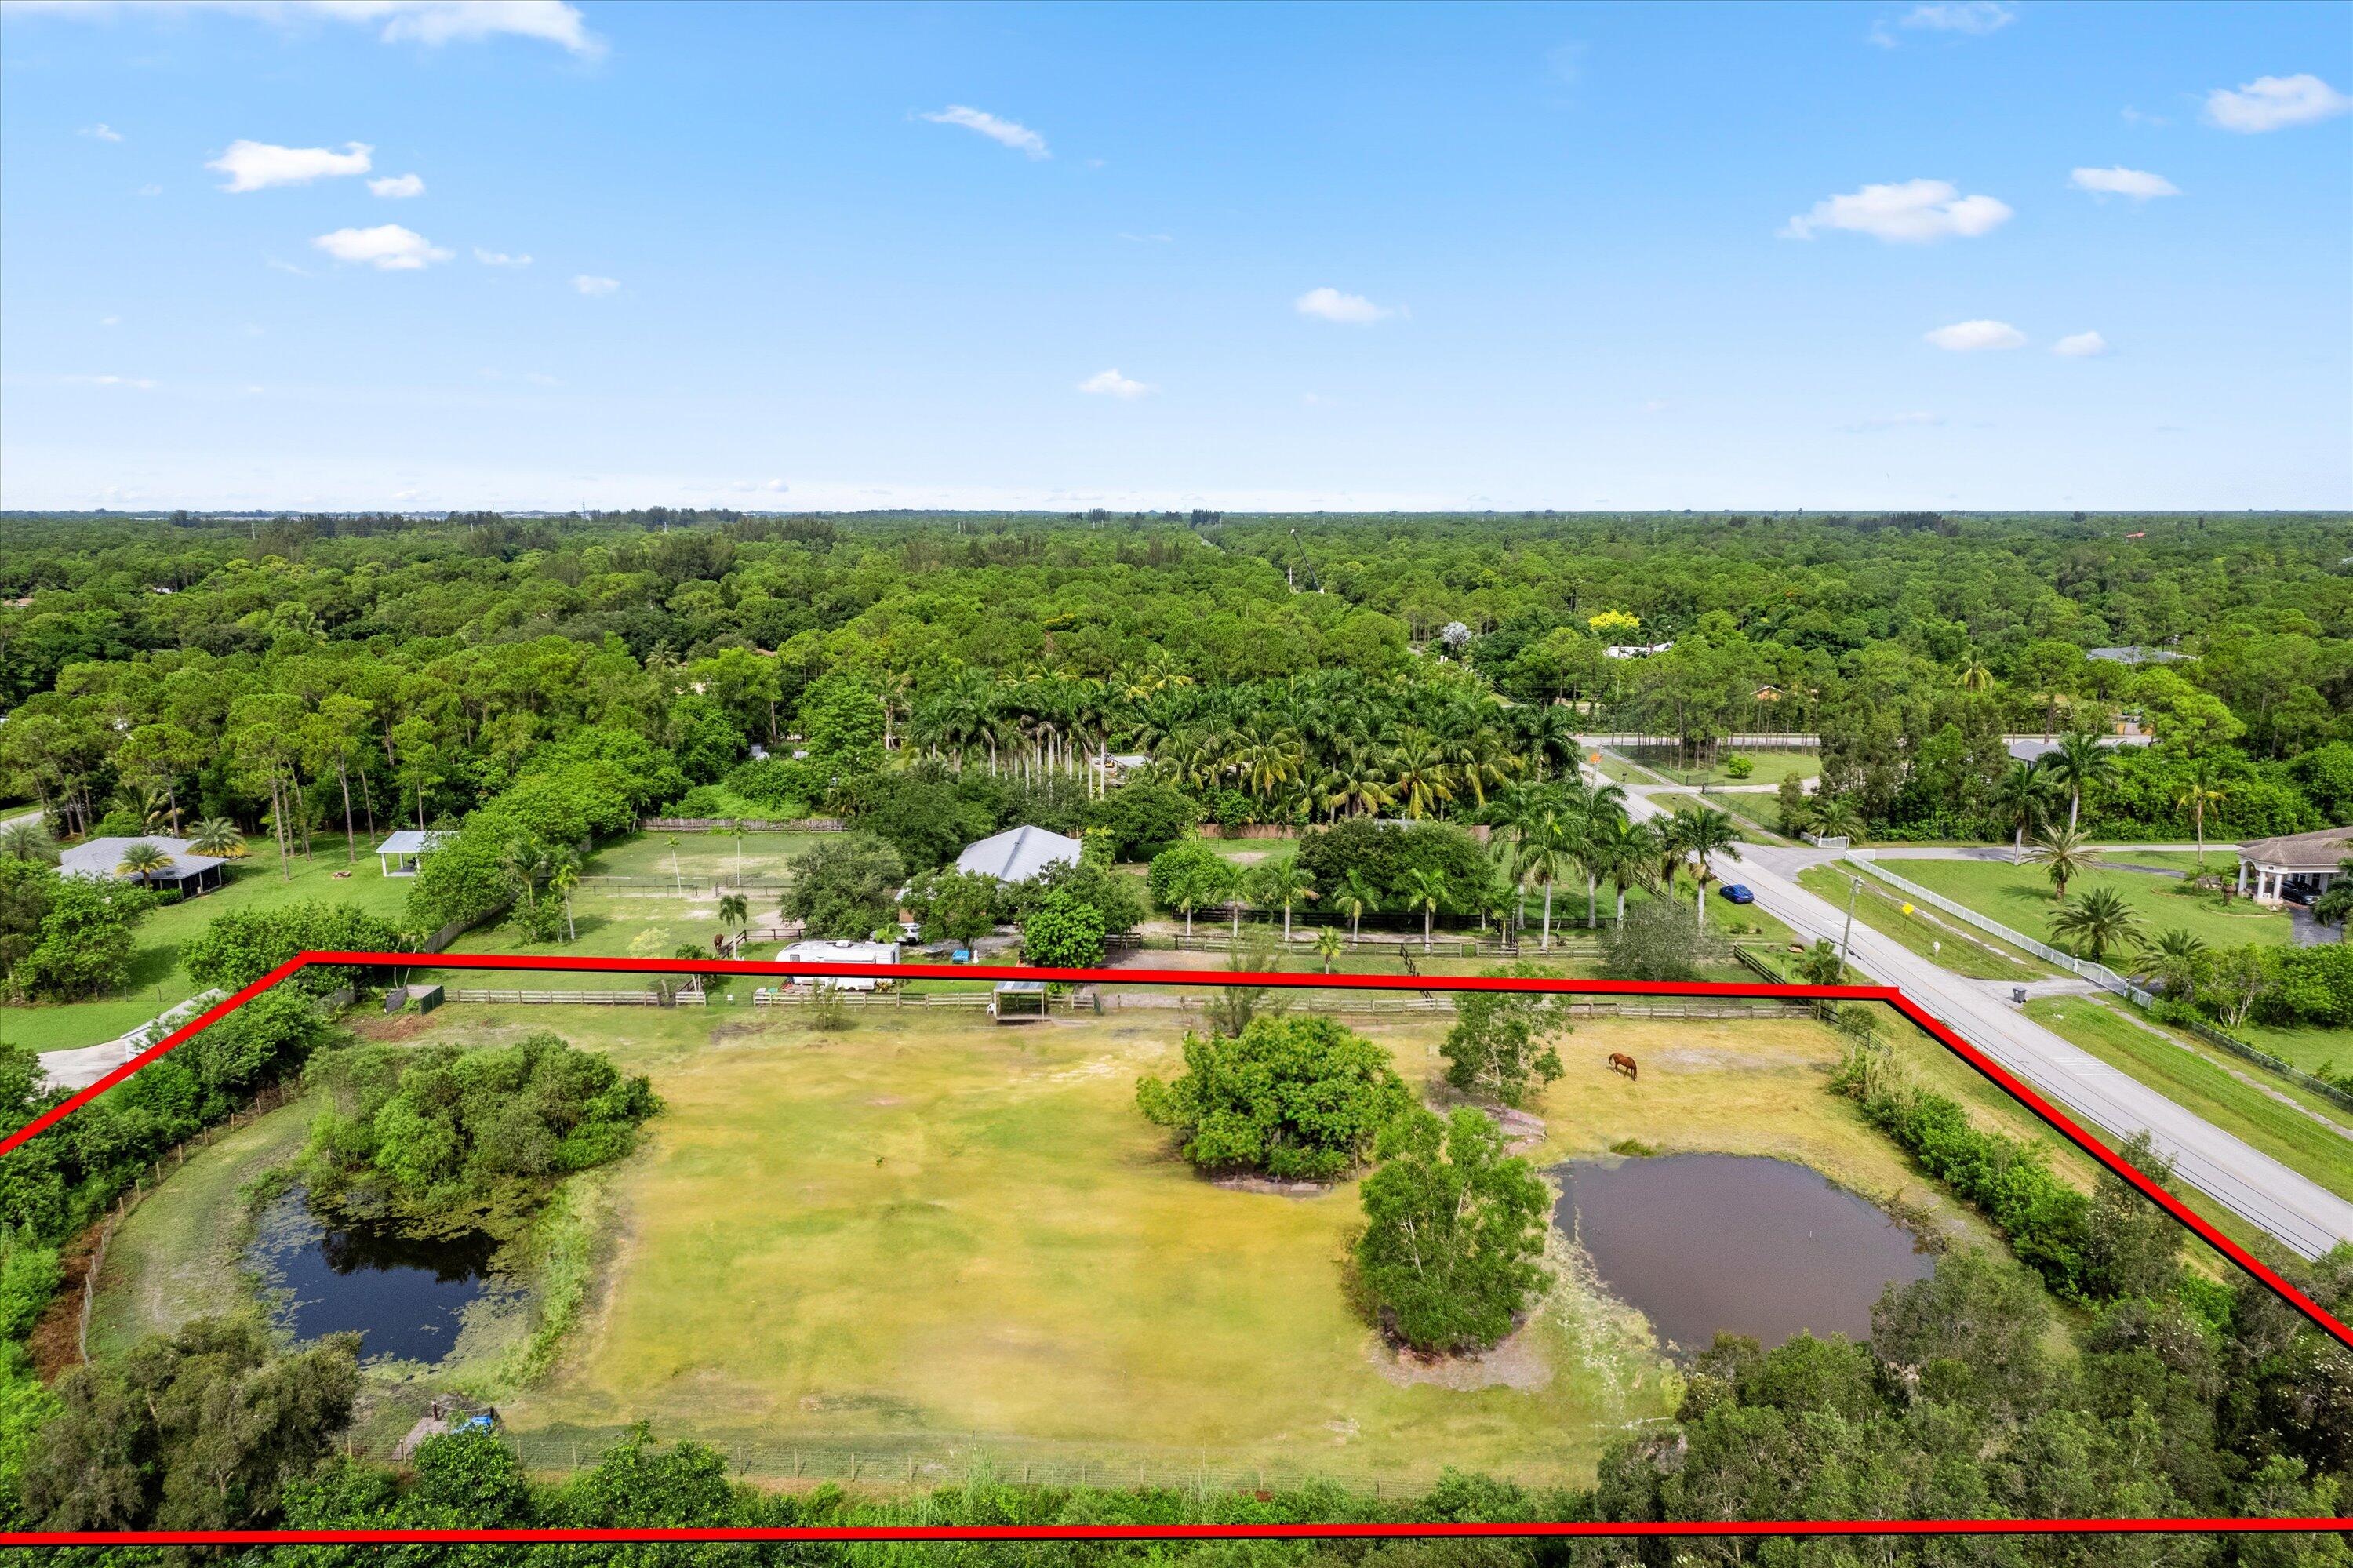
1920,1018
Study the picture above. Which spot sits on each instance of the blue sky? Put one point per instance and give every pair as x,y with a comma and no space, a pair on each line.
1314,256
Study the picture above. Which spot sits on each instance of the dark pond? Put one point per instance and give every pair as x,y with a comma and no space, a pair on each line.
407,1295
1710,1242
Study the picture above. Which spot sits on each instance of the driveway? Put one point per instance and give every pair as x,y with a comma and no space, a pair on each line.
2304,1215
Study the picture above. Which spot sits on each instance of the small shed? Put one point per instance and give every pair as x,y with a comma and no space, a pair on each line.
1017,1001
403,853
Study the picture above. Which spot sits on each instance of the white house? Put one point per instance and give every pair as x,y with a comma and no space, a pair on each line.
1016,854
2303,863
842,953
403,851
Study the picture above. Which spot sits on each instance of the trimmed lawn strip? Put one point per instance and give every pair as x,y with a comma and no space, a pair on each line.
1963,951
2020,898
2202,1087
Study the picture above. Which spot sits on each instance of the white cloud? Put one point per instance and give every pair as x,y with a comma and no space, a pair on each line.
387,247
436,22
254,165
1111,384
596,287
2081,345
1917,212
2269,102
430,22
1331,306
109,320
137,383
2134,117
2137,183
398,186
1007,133
1968,337
1975,16
1892,422
150,190
102,131
499,258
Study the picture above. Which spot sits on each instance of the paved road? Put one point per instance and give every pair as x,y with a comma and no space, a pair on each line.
2250,1184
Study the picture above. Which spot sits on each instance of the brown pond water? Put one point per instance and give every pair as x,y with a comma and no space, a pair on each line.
1722,1243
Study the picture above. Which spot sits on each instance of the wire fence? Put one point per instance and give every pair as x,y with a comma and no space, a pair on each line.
886,1461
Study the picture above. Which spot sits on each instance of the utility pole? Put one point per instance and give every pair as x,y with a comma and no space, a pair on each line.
1846,942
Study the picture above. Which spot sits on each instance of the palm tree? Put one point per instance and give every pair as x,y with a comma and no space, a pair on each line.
1354,896
1835,817
2022,798
27,839
2081,760
1327,946
1548,846
220,836
1281,883
1423,779
1603,810
1974,676
2171,958
566,876
734,911
2200,788
1704,832
2099,920
2065,855
1821,965
142,860
1620,852
1424,890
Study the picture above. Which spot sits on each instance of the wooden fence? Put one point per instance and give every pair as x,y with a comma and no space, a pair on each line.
652,996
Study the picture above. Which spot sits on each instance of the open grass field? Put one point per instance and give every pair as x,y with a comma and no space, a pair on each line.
156,980
938,1237
1958,947
1771,766
2234,1095
2307,1046
2020,896
706,858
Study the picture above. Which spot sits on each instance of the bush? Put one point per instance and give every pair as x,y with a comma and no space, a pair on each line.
1299,1098
781,787
240,946
1189,876
1385,853
1501,1044
1454,1228
436,1126
955,906
1657,941
1143,818
84,943
1737,767
1063,933
845,886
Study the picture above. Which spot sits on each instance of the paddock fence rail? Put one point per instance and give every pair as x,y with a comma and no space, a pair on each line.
652,996
2104,976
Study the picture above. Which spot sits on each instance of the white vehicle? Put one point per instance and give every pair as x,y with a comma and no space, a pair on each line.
842,953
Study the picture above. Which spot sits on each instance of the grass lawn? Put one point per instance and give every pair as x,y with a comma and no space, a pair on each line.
177,1254
2198,1080
1771,767
706,858
2020,896
1939,938
933,1237
156,980
2308,1047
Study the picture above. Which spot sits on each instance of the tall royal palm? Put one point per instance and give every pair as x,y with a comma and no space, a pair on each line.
2201,787
1551,845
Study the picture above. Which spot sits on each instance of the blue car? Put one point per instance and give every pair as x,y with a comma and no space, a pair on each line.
1735,892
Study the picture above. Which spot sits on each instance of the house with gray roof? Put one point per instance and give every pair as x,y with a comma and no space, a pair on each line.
1016,854
101,860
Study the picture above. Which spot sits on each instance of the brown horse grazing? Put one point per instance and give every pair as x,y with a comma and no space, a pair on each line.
1622,1063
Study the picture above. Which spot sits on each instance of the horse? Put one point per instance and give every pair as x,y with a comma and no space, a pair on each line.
1622,1063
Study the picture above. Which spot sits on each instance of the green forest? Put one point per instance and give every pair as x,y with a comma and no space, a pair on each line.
289,688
